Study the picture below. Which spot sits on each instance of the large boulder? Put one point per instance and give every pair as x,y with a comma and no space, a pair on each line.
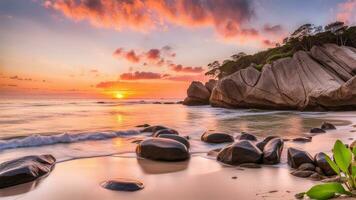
197,94
323,79
216,137
298,157
240,152
162,149
25,169
321,162
272,151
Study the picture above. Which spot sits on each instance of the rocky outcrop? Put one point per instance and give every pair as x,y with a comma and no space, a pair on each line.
211,84
197,94
162,149
322,79
25,169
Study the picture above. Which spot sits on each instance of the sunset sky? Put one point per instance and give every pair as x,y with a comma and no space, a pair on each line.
139,48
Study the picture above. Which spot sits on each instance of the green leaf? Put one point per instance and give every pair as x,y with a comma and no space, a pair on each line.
325,191
342,156
332,164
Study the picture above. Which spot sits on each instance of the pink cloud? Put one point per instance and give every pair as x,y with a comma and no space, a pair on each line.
140,76
347,11
181,68
276,29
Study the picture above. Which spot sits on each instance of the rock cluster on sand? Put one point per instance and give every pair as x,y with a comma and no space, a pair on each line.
316,168
322,79
162,149
123,185
216,137
199,94
25,169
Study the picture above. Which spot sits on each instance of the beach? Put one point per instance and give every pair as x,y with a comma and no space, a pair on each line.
82,165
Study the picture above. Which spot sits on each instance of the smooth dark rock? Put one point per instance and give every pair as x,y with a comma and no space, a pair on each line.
261,145
306,167
317,130
197,94
316,177
321,162
246,136
327,126
143,125
165,131
154,128
216,137
123,185
272,151
240,152
25,169
250,165
302,174
303,139
178,138
162,149
320,171
297,157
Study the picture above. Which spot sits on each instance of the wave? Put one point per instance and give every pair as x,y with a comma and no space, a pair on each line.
41,140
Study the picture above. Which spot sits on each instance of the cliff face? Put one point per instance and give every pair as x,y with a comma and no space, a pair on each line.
322,79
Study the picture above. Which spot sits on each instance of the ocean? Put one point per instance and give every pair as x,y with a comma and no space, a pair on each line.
80,128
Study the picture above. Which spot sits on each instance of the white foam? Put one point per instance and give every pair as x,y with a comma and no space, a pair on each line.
40,140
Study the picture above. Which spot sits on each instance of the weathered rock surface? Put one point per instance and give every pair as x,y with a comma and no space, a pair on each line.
197,94
123,185
176,138
272,151
165,131
162,149
211,84
216,137
25,169
322,79
240,152
321,162
246,136
297,157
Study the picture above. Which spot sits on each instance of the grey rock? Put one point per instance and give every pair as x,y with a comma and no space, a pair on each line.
216,137
123,185
240,152
25,169
162,149
297,157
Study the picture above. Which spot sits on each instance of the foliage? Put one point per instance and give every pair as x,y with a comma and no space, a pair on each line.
345,167
304,39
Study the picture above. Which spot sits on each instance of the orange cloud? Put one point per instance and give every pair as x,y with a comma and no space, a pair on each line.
140,76
225,16
347,11
181,68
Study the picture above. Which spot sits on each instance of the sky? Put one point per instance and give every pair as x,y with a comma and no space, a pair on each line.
139,48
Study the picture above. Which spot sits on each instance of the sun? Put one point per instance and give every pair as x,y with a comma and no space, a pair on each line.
119,95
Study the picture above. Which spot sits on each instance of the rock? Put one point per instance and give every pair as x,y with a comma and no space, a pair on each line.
261,145
316,177
297,157
303,139
321,162
317,130
214,152
216,137
143,126
302,174
165,131
123,185
327,126
25,169
246,136
319,171
250,165
240,152
197,94
153,128
162,149
272,151
322,79
210,84
306,167
177,138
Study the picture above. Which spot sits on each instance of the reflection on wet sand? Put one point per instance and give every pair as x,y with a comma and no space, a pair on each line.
155,167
